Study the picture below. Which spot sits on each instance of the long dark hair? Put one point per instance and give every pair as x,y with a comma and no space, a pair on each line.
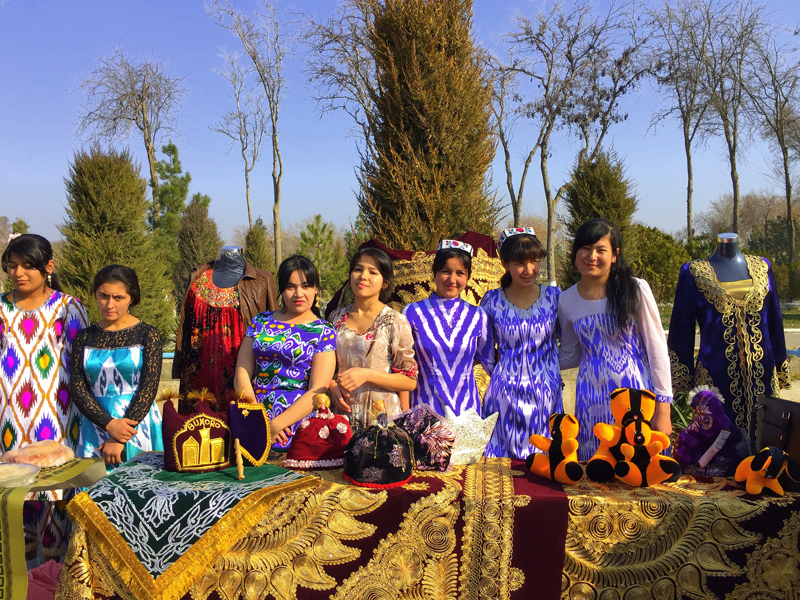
119,274
519,248
33,250
622,291
382,262
298,262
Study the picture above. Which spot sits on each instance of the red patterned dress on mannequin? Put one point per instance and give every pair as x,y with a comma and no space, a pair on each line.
213,333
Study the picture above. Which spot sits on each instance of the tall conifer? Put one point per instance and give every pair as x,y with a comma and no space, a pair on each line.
198,242
433,143
599,188
105,224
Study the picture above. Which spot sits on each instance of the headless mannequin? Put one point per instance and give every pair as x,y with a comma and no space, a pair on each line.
228,267
728,261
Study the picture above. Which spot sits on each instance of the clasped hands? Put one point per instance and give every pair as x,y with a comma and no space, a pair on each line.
347,382
121,431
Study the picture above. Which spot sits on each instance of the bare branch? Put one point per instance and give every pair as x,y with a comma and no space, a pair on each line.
122,94
264,42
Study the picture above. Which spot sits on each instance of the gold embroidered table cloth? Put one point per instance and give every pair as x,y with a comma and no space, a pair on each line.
696,538
490,530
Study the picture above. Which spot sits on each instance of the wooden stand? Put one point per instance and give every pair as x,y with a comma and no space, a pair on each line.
239,464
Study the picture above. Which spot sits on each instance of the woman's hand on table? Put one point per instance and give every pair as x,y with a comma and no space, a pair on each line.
122,430
278,434
111,451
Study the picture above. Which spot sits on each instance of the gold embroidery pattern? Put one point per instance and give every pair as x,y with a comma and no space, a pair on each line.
681,380
701,375
419,560
663,541
776,564
486,570
782,375
292,543
742,335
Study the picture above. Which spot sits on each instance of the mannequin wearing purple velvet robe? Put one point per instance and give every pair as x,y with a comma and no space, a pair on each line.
742,346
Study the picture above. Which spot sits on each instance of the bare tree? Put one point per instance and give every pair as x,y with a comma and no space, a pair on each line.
580,64
505,117
121,94
247,123
721,42
772,84
263,39
340,66
678,75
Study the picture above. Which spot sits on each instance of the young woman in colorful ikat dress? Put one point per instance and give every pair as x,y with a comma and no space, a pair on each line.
288,356
450,335
611,330
116,366
525,388
38,324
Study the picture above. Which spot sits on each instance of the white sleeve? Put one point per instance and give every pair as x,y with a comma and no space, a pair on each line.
655,342
569,354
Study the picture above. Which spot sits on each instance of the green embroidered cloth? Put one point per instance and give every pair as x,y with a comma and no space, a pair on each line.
161,514
13,574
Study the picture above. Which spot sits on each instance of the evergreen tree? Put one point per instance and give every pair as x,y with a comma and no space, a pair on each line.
19,226
658,260
256,247
427,177
317,243
173,190
105,224
198,242
599,188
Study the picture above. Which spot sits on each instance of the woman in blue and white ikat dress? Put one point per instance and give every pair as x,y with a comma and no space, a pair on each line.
116,366
525,388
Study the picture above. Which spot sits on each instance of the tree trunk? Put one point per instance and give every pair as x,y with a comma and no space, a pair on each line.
789,217
730,139
689,186
277,176
247,191
551,218
510,180
151,161
735,182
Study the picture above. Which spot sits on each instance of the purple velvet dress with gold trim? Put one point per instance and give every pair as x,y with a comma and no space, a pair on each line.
742,346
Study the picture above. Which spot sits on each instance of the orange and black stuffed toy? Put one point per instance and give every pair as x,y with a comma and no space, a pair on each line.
627,405
643,464
560,461
771,468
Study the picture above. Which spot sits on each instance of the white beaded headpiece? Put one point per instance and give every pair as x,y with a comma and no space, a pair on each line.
507,233
447,244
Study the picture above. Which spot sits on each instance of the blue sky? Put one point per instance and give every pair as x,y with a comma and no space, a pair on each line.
46,47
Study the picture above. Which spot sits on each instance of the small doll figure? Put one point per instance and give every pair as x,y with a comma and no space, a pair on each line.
320,440
711,445
560,461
